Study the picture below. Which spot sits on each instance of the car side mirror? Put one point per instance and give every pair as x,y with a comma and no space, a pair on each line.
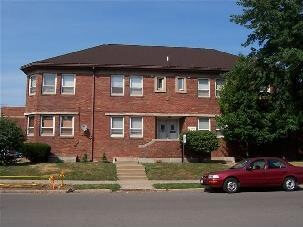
249,168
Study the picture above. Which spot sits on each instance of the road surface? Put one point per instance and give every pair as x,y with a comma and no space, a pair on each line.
144,209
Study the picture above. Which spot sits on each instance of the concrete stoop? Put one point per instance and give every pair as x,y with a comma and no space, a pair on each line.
132,175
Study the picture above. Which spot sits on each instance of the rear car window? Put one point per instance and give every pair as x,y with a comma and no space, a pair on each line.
275,164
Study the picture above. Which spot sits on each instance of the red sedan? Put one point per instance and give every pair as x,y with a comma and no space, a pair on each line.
256,172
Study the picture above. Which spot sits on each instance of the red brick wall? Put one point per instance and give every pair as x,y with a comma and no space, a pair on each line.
151,102
16,114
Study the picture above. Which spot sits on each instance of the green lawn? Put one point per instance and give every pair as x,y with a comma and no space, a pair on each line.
72,171
113,187
178,171
177,186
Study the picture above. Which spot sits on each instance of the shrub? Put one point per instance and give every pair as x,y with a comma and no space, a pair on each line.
104,158
36,152
200,141
11,140
84,158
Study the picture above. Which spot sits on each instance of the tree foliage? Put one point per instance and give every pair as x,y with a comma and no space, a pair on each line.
249,113
11,139
200,141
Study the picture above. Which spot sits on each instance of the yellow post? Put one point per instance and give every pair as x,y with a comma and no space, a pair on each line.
62,178
52,182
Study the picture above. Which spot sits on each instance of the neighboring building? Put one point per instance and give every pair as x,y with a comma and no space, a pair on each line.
15,113
124,100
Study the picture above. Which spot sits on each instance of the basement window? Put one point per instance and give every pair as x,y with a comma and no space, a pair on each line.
117,127
66,125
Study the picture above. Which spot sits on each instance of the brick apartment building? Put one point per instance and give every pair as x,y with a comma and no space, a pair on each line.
124,100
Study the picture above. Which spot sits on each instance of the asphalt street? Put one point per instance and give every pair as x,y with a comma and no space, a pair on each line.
167,209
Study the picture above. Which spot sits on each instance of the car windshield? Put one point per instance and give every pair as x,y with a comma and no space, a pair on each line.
240,164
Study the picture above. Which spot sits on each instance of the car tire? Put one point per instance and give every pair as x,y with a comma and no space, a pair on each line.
290,184
231,185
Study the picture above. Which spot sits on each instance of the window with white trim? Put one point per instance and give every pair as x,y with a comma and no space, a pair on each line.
136,85
49,83
203,88
66,125
47,125
32,83
68,84
117,85
117,127
136,127
180,84
219,132
160,84
219,86
204,124
30,125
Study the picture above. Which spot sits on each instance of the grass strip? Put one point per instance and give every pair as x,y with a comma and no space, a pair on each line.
112,187
177,186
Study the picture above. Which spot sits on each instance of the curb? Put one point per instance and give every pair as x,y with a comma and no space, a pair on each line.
54,191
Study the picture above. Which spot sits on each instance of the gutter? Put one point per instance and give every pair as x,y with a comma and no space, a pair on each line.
92,137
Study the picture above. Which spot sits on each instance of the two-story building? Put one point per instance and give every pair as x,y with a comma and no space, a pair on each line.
124,100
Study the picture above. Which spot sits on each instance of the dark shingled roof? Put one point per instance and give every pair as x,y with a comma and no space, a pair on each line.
135,56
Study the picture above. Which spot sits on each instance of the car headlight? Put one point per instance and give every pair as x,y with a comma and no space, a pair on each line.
213,176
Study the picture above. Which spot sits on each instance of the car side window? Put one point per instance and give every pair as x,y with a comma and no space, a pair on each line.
259,164
275,164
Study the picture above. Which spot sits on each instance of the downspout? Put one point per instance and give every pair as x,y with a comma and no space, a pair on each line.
93,116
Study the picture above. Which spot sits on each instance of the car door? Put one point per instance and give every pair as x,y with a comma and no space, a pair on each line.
275,172
254,174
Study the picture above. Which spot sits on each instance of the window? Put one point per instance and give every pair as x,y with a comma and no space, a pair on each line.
68,84
204,124
49,83
160,84
66,126
275,164
47,125
136,127
203,88
117,127
259,164
32,85
180,84
30,125
219,86
117,85
136,85
219,132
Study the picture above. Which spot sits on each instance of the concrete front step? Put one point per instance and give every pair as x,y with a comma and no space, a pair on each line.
133,178
130,167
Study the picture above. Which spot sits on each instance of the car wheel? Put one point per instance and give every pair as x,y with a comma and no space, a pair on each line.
231,185
290,184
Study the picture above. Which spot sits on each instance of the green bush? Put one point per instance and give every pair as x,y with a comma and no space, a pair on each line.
84,158
36,152
11,141
200,141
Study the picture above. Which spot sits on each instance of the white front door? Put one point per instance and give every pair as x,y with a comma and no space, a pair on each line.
168,128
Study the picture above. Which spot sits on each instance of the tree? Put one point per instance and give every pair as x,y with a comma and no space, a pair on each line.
249,113
200,141
11,139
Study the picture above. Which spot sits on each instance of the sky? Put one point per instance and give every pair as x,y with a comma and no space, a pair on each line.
33,30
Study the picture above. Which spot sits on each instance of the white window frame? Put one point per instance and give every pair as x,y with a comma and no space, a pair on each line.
111,127
220,131
209,124
130,127
204,89
30,85
41,120
55,90
27,128
123,85
184,84
156,84
217,96
73,125
130,85
68,74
